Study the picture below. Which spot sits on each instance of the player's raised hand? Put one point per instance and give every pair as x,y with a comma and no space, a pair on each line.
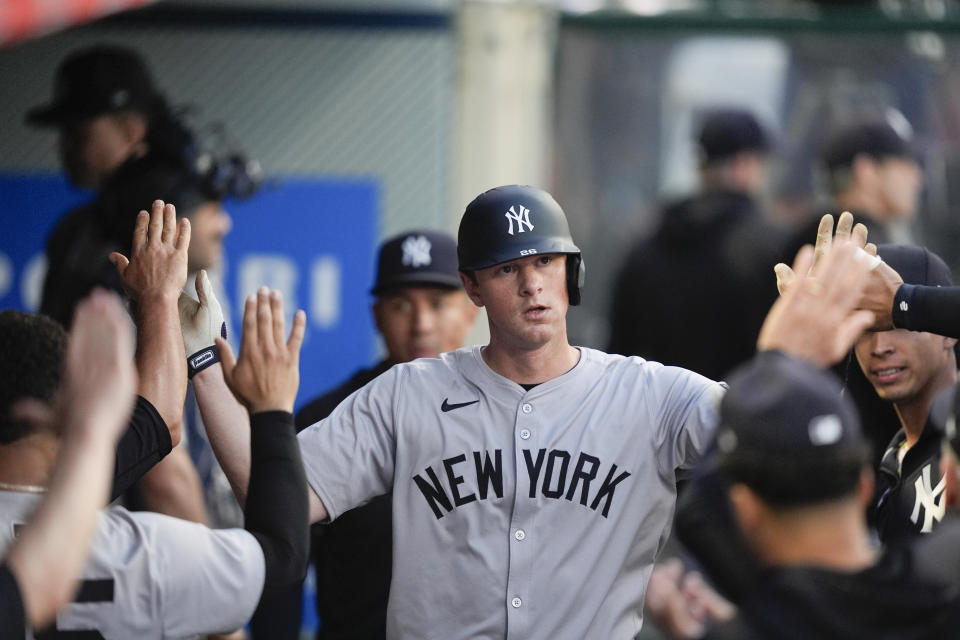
266,375
817,318
845,231
201,321
158,255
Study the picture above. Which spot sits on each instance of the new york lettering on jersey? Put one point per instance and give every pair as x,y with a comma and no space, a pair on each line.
555,475
503,484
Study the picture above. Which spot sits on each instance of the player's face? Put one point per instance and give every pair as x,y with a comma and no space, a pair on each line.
900,182
209,223
423,322
91,149
904,366
526,300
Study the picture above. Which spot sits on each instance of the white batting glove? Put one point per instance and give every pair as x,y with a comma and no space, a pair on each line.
201,324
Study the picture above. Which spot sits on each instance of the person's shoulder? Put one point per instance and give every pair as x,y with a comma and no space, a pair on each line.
69,226
320,407
625,368
444,364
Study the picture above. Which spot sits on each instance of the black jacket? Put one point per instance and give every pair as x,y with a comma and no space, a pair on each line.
908,502
696,292
896,599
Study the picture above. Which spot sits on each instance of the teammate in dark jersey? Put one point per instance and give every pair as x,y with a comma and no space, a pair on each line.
794,463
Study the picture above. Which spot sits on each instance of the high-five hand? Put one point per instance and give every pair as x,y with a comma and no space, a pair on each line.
266,375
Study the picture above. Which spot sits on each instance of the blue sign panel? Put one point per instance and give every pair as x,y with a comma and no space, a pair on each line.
314,239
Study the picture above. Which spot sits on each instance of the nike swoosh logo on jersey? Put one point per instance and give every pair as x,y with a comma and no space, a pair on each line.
446,406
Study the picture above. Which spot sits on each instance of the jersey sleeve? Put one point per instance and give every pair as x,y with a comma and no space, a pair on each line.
928,308
688,416
349,456
209,580
145,443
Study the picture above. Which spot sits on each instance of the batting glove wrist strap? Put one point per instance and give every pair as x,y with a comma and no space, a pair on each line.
202,359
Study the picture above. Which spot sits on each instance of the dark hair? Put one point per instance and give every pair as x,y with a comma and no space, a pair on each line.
801,479
33,348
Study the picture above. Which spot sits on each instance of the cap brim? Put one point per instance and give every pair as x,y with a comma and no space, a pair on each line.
51,115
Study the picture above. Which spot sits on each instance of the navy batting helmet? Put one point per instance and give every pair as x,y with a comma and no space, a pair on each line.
516,221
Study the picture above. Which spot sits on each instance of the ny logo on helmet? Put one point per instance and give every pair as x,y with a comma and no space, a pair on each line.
522,219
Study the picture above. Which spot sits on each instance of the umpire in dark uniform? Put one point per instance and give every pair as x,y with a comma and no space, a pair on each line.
695,293
421,311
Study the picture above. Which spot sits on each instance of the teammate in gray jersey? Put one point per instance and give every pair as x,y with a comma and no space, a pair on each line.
533,481
150,575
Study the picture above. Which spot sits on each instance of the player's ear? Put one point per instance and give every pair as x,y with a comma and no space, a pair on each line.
377,310
948,469
865,487
746,507
471,286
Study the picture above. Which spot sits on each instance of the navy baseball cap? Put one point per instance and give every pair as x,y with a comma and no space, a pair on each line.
916,265
98,80
876,138
727,132
788,433
417,258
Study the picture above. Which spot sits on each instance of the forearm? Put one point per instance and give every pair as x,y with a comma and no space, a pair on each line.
228,427
172,487
49,555
277,509
161,360
145,442
932,309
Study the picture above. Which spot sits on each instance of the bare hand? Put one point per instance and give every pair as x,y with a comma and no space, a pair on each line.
816,319
266,375
683,604
882,281
158,255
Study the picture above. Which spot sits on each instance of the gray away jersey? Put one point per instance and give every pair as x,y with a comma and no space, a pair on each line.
517,514
150,576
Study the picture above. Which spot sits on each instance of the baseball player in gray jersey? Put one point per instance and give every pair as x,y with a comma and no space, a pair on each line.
150,575
533,481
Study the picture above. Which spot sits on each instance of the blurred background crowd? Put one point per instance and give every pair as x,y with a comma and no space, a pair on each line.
692,143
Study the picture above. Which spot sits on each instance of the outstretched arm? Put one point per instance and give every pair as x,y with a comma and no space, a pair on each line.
265,378
97,397
154,276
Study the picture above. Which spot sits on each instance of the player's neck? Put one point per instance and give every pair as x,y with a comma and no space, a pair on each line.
29,461
531,366
834,537
914,411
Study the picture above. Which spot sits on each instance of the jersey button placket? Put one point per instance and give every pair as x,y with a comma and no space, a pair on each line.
520,566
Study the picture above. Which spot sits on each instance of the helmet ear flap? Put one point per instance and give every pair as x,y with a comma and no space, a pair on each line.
576,275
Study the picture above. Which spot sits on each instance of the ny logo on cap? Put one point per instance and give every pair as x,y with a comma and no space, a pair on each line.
416,252
522,219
